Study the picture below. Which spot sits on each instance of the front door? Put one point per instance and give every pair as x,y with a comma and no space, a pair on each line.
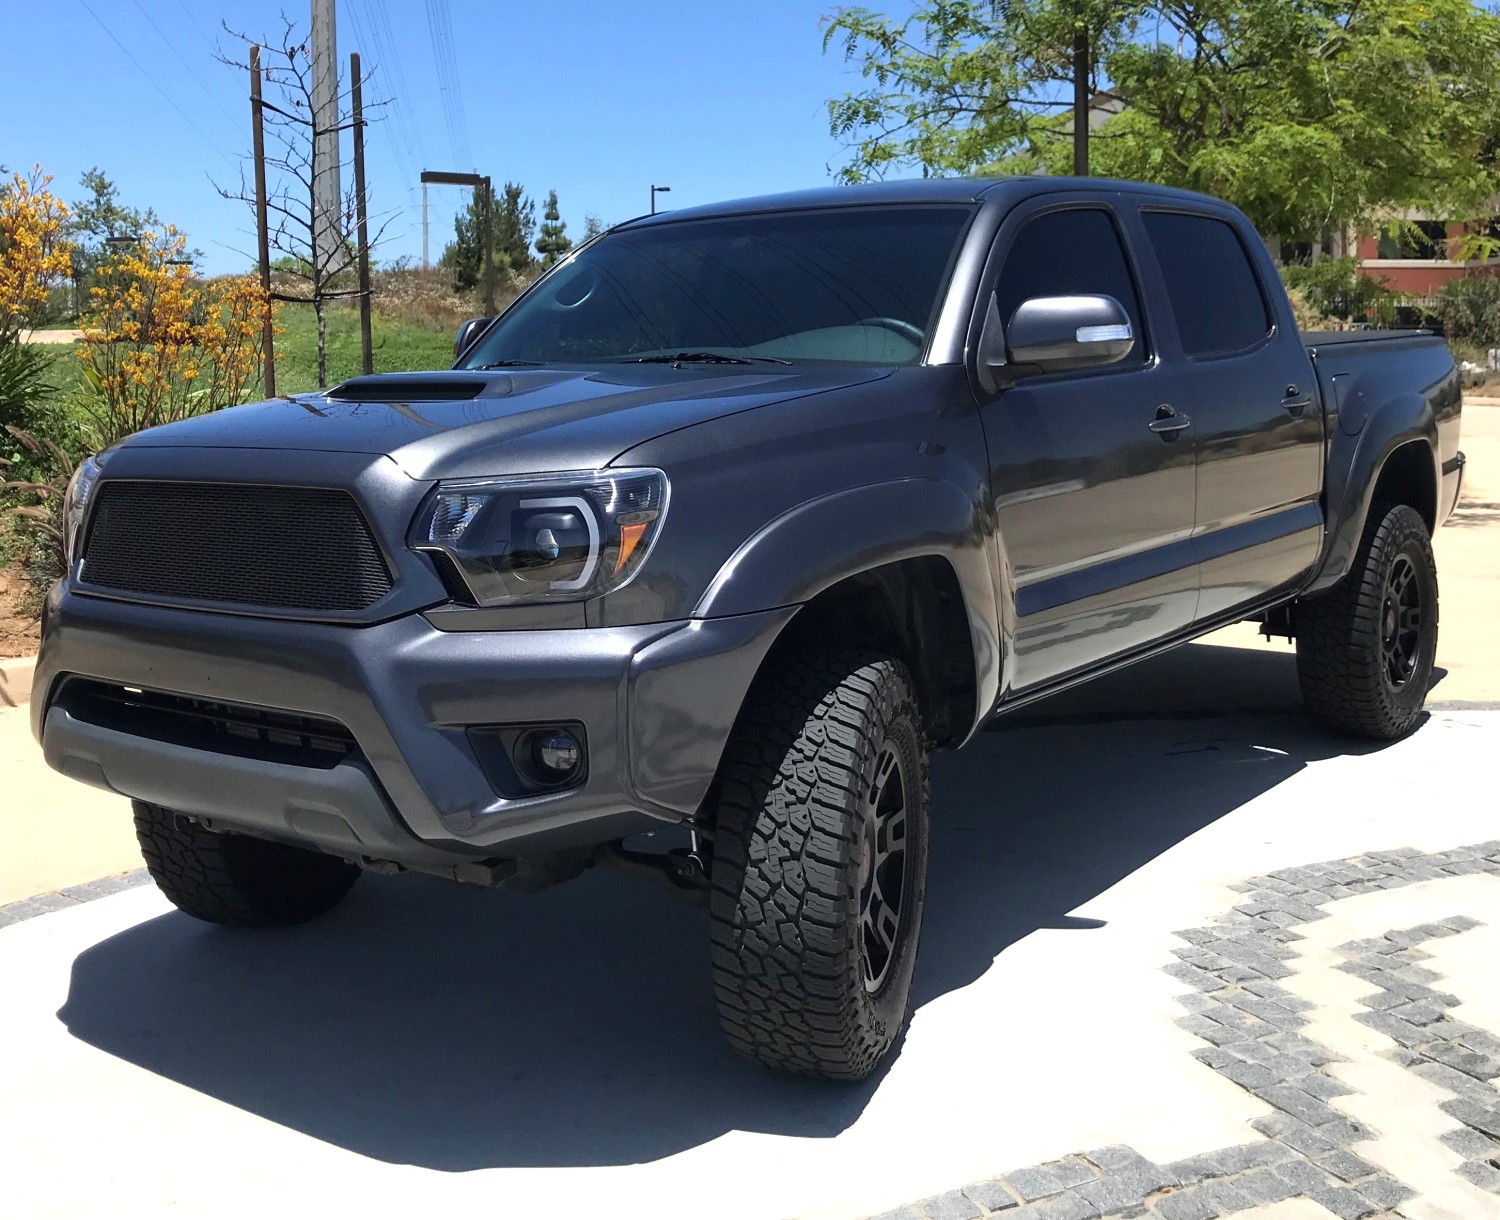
1094,506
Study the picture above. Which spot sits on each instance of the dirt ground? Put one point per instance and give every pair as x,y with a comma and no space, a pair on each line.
19,634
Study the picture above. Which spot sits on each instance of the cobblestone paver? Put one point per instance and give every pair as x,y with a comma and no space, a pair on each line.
60,900
1251,1026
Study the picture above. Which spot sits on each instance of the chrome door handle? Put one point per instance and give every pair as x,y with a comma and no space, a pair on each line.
1168,421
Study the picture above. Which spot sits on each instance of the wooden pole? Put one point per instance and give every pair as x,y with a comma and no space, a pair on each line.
1080,98
262,234
367,351
489,244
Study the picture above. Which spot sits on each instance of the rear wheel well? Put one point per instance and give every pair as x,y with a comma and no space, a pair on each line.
1407,478
913,610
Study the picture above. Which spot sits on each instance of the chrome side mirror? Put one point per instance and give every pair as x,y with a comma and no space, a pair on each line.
1054,334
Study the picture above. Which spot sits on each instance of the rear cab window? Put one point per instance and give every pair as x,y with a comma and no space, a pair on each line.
1216,297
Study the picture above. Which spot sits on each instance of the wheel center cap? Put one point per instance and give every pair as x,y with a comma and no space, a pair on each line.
1390,620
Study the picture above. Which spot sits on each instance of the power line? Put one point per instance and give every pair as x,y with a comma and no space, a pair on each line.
193,18
187,66
391,62
440,26
126,51
367,33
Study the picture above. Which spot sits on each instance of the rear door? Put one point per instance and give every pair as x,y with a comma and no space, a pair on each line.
1094,509
1247,386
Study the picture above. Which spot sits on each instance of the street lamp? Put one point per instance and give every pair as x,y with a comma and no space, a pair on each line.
655,191
477,181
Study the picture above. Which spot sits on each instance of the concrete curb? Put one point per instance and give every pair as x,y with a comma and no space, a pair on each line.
15,681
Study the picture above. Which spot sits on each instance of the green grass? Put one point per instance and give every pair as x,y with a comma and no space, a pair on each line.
398,347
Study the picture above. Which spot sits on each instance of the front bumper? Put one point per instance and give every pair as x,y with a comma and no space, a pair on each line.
657,703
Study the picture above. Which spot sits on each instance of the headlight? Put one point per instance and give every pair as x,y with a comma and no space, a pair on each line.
75,506
550,537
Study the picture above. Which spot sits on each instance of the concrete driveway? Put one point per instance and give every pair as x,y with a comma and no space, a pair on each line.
432,1048
1182,953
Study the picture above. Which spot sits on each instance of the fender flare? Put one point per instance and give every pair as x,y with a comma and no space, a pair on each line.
820,542
1354,467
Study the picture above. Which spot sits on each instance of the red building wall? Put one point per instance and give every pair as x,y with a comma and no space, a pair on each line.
1420,277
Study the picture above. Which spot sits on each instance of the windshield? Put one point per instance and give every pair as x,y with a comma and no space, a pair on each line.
853,285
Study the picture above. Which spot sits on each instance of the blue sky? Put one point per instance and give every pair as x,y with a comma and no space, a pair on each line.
596,98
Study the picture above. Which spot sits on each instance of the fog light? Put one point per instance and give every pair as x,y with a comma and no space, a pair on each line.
556,753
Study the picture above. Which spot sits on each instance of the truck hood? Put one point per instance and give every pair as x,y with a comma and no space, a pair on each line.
473,424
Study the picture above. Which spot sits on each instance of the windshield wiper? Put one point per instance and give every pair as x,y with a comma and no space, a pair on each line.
505,364
705,358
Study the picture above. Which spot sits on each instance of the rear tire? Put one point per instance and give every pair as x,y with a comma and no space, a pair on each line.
1365,649
234,879
820,864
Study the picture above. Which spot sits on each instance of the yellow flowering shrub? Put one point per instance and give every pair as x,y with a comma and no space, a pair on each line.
161,345
33,253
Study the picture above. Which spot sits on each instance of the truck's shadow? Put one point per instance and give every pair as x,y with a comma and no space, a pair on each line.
452,1029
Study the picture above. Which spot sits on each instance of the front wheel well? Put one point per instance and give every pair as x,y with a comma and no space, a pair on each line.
914,610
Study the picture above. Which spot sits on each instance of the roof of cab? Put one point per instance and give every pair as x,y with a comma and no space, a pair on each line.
914,190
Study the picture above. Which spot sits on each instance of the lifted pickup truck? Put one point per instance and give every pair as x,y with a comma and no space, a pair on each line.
728,521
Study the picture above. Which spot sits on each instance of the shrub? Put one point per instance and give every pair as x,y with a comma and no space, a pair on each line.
1334,287
159,346
41,515
1470,310
1307,317
34,256
23,381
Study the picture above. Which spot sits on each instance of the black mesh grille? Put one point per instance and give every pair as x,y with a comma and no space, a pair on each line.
205,724
293,547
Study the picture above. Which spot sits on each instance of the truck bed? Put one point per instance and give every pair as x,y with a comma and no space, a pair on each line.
1312,339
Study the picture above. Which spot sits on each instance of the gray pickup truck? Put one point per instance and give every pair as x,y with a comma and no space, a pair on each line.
712,536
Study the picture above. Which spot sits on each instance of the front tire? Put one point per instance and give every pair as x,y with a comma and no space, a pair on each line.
1365,649
820,864
234,879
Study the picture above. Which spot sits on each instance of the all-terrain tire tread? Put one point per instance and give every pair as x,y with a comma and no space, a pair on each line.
234,879
1339,658
784,944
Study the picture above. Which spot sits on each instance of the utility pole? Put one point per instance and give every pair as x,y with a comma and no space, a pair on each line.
367,351
262,236
327,190
425,263
1080,96
489,250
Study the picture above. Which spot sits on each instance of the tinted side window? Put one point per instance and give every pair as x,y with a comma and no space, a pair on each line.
1215,295
1066,253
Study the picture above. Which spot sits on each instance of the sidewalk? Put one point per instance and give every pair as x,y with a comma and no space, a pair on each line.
55,831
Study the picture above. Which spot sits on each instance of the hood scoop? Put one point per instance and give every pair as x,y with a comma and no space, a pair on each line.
419,387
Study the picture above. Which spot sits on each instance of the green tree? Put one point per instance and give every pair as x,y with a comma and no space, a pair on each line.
552,240
1306,113
464,255
95,217
514,226
592,226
